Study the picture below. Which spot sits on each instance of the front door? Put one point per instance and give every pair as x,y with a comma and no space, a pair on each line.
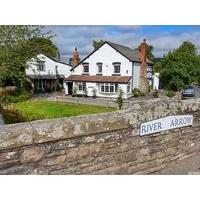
70,84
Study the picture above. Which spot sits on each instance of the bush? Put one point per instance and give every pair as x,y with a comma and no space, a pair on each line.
137,93
120,99
155,93
14,99
74,92
85,92
170,93
94,92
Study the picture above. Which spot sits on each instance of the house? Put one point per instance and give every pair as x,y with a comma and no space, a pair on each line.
47,73
109,68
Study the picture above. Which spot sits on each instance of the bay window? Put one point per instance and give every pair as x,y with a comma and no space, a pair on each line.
108,87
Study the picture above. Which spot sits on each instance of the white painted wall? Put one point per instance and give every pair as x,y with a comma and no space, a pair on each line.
136,75
156,81
90,86
107,55
49,67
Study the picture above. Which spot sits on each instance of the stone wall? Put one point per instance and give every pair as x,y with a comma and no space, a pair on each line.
107,143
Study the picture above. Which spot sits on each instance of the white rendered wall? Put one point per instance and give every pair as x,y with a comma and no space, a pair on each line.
107,55
90,86
156,81
49,67
136,75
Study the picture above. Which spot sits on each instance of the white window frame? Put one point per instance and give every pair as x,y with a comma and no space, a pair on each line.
117,64
109,88
99,65
86,65
82,85
40,66
129,88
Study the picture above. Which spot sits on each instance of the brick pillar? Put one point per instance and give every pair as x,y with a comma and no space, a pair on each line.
76,58
143,83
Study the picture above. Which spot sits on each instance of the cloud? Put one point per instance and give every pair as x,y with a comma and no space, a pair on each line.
68,37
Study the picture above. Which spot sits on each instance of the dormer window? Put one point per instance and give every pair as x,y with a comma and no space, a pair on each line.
99,67
86,68
117,66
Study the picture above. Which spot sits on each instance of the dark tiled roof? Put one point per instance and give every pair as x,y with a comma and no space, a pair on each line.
99,79
48,76
131,54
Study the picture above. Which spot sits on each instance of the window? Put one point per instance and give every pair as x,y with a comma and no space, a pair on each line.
85,67
128,88
40,65
108,87
81,86
117,67
99,66
111,88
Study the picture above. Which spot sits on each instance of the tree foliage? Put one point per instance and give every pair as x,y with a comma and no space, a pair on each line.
18,44
179,67
97,44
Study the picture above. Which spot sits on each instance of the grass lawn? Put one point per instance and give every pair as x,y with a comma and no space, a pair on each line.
41,109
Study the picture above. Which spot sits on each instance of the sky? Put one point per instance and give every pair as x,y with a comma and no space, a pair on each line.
163,37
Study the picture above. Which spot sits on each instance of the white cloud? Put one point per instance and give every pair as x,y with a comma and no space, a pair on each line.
68,37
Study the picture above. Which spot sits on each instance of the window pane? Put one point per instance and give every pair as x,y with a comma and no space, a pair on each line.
107,88
102,88
84,86
86,68
116,87
117,69
128,88
100,69
111,88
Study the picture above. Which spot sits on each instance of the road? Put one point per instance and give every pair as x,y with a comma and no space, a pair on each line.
197,91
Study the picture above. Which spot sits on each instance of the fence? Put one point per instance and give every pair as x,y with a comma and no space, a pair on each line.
98,101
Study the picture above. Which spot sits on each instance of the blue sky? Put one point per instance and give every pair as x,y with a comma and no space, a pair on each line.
163,37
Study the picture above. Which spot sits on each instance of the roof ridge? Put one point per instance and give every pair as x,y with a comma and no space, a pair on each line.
121,45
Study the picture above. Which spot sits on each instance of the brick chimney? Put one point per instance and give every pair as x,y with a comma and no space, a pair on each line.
76,58
143,56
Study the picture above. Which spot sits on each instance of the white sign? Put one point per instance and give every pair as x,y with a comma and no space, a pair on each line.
165,123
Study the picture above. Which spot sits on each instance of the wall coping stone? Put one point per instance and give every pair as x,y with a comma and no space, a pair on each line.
36,132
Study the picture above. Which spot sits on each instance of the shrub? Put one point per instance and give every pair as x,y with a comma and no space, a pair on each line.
120,99
155,93
85,92
137,93
94,92
14,99
74,92
170,93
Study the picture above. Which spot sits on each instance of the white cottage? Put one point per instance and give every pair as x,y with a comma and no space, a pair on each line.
45,72
109,68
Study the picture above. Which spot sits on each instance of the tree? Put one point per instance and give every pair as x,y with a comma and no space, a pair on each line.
43,45
97,44
18,44
179,67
